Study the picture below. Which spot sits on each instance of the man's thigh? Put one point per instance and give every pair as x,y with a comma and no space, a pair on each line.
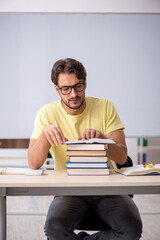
116,210
67,209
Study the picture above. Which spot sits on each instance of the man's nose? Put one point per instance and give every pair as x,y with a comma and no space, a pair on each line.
73,92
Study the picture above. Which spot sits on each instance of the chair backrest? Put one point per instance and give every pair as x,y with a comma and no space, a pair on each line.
128,163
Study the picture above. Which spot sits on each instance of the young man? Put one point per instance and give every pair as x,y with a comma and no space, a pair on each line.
78,117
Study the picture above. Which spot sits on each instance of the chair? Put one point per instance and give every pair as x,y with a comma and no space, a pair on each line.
94,223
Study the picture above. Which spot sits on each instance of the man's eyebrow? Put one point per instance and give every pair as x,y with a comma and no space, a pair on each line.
80,81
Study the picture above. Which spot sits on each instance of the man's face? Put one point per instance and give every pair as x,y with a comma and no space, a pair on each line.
74,102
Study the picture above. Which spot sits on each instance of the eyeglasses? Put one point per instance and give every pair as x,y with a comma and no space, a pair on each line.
78,87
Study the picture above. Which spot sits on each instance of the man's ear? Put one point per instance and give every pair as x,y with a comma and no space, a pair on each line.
57,90
85,83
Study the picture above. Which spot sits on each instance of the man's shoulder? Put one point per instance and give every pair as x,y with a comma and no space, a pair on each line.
50,106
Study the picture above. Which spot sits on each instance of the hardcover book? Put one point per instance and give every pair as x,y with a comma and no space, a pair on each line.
88,171
86,153
87,146
86,165
88,159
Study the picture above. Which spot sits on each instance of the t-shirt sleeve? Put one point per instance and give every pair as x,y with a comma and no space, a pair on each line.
113,121
39,123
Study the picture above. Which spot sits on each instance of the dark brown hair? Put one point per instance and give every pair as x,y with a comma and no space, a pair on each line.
68,65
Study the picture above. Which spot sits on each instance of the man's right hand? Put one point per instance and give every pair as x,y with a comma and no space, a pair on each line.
54,135
38,148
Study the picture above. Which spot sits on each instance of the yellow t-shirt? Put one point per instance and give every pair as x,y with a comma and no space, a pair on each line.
99,114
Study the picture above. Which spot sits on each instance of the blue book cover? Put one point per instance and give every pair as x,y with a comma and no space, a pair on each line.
86,164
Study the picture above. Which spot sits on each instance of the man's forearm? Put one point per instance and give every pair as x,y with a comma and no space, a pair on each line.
38,151
117,152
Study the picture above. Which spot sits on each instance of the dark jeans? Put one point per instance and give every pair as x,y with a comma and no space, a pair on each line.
120,212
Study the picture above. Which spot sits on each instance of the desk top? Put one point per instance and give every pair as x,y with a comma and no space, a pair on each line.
53,178
59,183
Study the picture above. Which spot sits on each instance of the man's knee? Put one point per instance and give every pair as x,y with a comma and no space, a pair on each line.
54,224
131,223
57,228
134,229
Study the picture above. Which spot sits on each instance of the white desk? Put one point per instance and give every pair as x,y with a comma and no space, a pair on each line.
59,183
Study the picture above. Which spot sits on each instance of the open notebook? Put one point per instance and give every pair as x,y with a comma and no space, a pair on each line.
22,171
140,170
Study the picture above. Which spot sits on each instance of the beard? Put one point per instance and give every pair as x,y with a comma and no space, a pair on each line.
77,106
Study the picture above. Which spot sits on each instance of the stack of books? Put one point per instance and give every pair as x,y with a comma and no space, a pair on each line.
88,157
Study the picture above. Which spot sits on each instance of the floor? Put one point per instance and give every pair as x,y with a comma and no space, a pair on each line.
26,216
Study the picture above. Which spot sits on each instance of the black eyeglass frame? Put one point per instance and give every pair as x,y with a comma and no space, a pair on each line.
73,86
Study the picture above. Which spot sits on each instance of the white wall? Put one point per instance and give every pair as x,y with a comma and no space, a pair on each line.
121,53
83,6
19,98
